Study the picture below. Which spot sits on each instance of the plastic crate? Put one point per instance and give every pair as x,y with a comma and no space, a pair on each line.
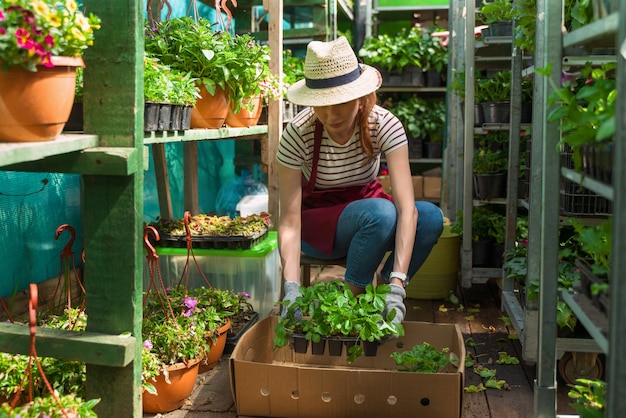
254,270
577,201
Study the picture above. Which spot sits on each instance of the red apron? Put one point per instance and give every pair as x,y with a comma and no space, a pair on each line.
321,208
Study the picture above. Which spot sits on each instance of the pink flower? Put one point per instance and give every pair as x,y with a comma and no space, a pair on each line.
147,344
245,294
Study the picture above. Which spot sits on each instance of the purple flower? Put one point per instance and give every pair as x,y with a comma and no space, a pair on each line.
245,294
190,303
147,344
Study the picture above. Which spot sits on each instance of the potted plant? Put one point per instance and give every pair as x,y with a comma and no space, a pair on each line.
499,15
489,172
174,344
66,378
39,43
399,58
494,94
435,58
329,311
232,70
423,120
593,243
585,107
168,96
193,46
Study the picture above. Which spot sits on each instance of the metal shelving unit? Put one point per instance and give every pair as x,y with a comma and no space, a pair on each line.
609,31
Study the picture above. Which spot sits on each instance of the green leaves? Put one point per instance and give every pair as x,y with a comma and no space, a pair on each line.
331,309
423,358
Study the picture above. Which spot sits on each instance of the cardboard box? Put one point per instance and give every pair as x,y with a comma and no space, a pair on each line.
280,383
417,185
432,187
254,270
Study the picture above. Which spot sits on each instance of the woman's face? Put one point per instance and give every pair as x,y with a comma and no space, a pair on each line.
338,119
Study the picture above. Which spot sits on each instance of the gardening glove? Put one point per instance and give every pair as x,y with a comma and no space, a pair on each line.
395,300
292,291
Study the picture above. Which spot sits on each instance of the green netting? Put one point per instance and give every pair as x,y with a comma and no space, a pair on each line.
32,207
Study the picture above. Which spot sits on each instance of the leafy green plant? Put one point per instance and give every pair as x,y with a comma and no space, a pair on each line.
72,406
526,25
415,46
497,11
424,358
589,397
487,161
488,222
421,118
331,309
293,69
585,107
67,378
163,85
239,65
594,244
496,88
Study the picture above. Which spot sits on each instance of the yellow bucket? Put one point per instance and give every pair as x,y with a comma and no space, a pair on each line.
438,276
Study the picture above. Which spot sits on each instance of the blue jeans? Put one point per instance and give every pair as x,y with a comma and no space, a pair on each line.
366,232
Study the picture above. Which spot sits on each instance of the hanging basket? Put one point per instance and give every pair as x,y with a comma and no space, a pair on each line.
34,106
171,396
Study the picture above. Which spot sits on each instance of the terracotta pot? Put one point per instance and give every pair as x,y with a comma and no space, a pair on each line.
171,396
210,111
245,118
34,106
217,349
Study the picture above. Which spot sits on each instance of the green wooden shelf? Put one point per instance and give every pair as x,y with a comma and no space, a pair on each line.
89,347
14,153
202,134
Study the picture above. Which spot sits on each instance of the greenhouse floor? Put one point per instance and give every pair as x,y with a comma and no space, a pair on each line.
483,323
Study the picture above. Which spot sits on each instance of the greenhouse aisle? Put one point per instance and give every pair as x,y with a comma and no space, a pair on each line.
485,332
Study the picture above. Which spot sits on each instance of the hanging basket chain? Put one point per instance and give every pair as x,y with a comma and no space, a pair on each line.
32,352
68,271
190,252
153,267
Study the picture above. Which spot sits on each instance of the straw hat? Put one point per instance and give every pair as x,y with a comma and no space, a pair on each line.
333,75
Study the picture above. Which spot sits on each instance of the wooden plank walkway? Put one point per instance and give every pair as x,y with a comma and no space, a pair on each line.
486,332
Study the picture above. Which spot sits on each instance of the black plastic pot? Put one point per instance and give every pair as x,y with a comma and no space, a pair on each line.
335,346
300,343
496,112
317,348
489,186
370,348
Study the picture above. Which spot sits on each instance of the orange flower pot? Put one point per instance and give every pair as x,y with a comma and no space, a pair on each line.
34,106
171,396
217,349
245,118
210,110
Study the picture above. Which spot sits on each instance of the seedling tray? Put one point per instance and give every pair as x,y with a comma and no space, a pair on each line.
229,242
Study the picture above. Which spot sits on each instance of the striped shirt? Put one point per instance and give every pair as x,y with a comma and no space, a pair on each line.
339,165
